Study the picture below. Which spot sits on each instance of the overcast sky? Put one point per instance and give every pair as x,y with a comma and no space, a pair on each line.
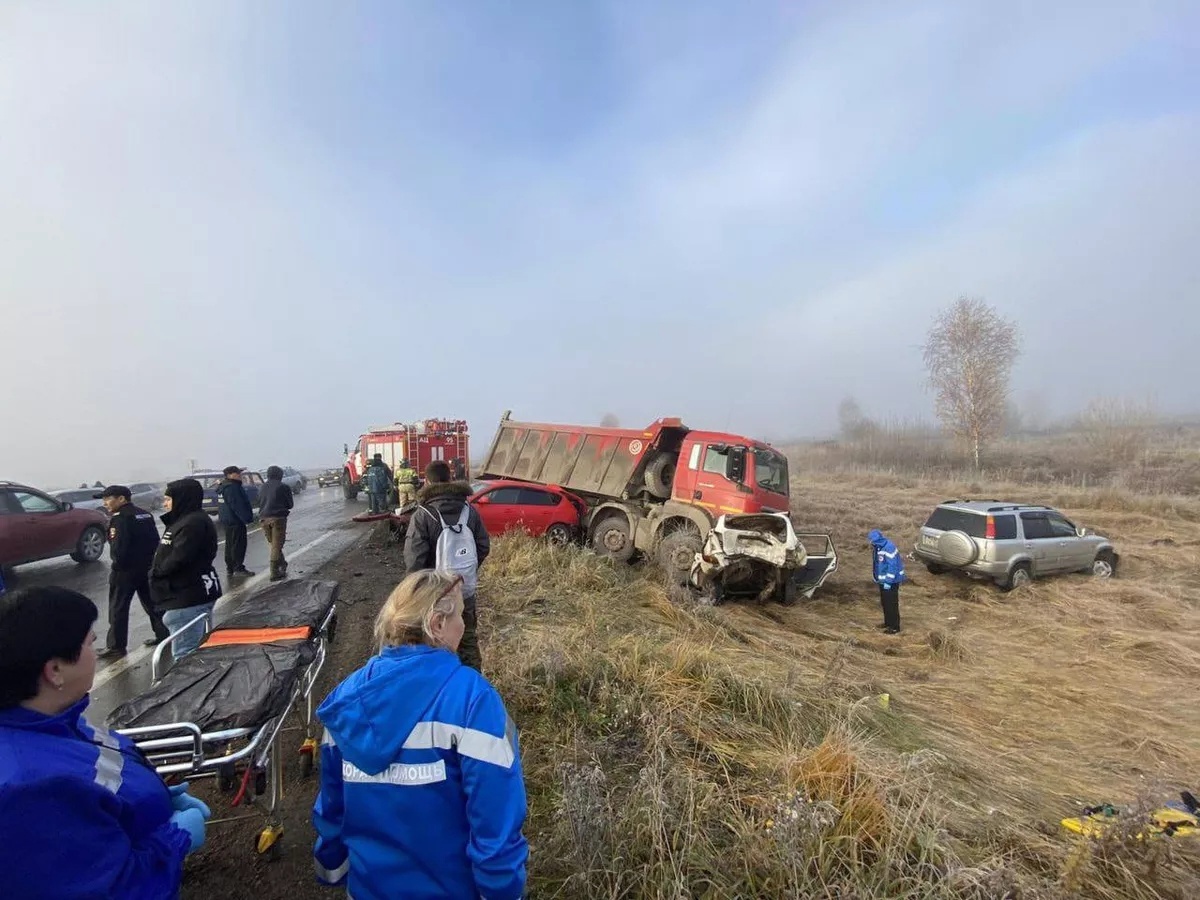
241,232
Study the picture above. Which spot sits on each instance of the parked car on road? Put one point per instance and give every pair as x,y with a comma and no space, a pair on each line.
146,495
294,479
252,481
1010,543
81,498
36,526
541,510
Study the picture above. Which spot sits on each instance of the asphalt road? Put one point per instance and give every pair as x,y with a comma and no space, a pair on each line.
319,527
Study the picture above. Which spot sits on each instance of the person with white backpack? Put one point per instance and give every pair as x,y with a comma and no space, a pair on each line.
445,533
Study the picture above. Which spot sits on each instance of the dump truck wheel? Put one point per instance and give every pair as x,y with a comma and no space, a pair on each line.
677,551
611,538
660,475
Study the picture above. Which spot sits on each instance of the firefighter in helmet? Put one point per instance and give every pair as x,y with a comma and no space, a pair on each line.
406,484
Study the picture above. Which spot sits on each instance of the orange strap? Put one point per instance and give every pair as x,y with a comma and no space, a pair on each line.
256,635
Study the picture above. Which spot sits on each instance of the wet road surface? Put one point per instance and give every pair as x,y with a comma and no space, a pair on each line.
319,528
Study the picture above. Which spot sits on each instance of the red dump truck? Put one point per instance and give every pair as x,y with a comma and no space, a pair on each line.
658,490
419,442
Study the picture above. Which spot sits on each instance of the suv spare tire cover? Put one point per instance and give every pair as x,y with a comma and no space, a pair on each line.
957,548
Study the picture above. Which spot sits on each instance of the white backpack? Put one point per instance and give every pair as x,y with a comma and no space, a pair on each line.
456,553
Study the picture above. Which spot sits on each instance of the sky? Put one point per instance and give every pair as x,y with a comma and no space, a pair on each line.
238,232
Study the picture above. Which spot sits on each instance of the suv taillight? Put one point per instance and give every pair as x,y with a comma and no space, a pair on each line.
990,529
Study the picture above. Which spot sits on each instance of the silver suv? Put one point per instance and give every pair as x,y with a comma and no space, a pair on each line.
1010,543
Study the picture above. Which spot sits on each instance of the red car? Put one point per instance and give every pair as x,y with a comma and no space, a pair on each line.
538,509
35,526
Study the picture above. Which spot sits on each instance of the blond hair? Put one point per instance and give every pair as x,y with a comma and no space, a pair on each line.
411,606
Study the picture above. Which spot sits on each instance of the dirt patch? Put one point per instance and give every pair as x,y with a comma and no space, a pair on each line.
228,865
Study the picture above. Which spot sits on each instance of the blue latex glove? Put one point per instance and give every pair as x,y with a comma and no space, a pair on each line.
181,800
191,821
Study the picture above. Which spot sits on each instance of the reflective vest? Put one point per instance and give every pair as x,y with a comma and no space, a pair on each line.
406,476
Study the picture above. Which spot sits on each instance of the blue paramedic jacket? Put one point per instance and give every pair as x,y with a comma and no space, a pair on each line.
82,815
422,794
888,567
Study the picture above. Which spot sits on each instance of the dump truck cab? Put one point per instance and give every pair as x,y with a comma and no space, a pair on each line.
725,473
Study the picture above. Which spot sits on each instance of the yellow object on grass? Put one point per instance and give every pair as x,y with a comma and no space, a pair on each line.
1166,822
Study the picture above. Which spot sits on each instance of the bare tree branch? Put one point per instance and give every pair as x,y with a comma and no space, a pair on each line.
969,356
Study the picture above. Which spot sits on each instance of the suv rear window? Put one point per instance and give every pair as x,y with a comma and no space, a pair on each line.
946,519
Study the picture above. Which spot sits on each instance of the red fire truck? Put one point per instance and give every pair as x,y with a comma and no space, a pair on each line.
419,442
658,490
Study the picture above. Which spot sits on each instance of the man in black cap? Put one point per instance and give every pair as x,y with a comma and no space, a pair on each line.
235,513
132,541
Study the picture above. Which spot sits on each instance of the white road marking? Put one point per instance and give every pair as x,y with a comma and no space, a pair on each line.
138,656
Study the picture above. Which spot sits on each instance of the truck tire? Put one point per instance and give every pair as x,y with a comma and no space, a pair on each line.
611,537
677,551
957,548
349,491
660,475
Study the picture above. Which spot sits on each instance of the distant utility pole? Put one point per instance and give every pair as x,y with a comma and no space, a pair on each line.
191,466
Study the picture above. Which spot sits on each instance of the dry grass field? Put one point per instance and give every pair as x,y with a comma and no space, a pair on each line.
677,751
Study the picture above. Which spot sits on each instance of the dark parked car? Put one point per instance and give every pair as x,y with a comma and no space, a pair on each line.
35,526
329,478
252,481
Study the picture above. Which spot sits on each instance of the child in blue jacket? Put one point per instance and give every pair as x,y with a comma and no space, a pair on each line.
421,794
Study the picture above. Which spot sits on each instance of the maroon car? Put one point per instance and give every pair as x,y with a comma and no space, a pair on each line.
35,526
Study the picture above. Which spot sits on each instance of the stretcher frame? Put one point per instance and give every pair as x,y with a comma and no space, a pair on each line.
184,749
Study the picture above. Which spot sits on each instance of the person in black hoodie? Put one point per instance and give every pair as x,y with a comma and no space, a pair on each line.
183,582
447,498
273,512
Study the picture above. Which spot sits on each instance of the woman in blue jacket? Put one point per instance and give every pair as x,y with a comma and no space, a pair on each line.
82,814
421,788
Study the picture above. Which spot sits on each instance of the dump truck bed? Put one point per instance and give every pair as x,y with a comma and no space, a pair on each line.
588,461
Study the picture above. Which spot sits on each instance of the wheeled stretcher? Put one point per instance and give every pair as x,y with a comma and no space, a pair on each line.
220,711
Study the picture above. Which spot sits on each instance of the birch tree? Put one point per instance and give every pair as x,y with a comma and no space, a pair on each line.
969,355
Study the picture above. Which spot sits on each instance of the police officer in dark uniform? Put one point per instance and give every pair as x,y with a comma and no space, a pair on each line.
132,541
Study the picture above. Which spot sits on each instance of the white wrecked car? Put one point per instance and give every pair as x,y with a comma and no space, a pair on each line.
761,556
